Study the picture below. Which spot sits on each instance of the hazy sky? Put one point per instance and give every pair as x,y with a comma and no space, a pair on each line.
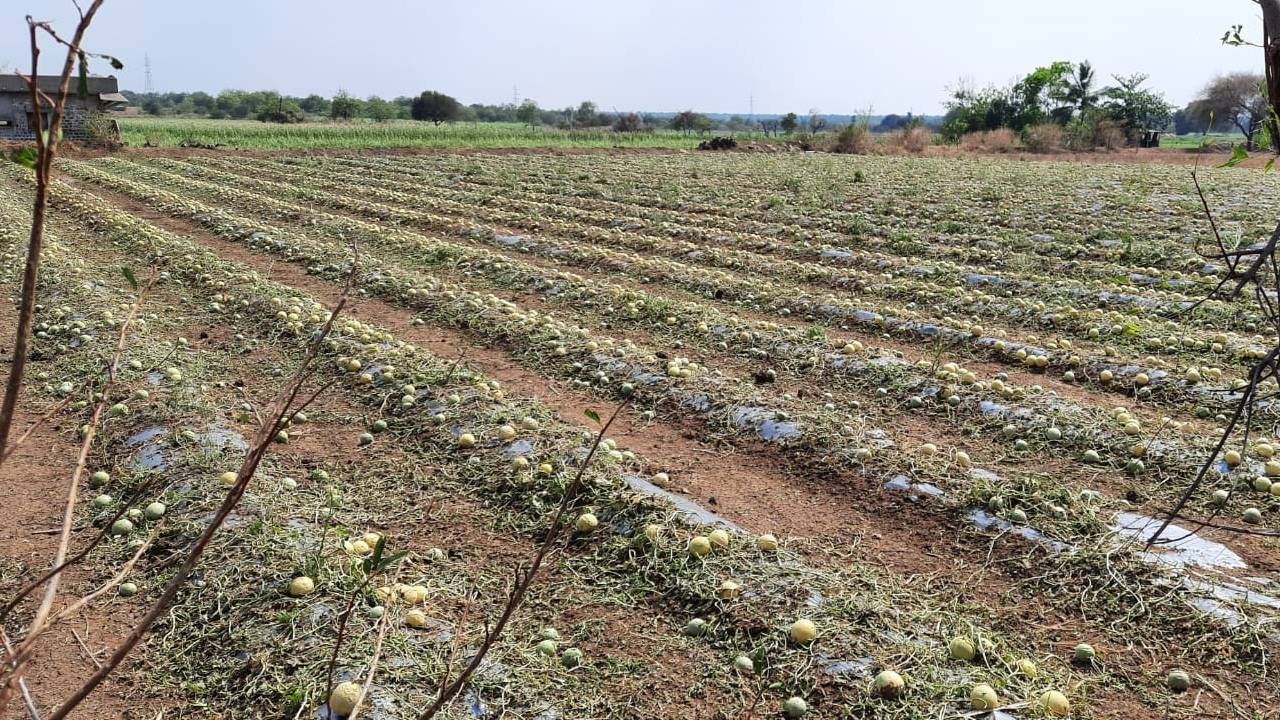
838,56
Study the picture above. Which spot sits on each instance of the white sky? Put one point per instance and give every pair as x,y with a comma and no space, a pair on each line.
839,56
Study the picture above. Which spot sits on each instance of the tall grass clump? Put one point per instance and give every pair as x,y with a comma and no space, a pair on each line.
854,139
1044,138
913,140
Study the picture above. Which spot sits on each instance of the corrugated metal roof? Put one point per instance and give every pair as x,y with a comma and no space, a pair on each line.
98,84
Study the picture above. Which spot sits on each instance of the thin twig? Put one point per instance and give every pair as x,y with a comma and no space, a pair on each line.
280,409
383,624
85,647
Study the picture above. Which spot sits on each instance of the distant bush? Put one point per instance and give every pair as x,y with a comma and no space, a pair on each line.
971,141
286,116
1110,134
854,139
435,107
1044,138
912,139
999,140
628,122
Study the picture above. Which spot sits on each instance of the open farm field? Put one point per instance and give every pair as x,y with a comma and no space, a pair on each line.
926,408
254,135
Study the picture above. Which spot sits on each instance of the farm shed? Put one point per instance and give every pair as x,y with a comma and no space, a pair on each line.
17,119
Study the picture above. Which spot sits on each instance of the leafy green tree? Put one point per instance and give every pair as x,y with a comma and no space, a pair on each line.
587,115
1136,108
314,104
436,107
688,121
1028,102
527,113
1077,88
1036,98
379,110
343,106
201,102
789,122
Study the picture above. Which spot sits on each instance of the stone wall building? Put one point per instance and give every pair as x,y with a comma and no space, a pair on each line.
17,121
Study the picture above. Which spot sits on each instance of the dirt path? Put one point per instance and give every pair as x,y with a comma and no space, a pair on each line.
34,483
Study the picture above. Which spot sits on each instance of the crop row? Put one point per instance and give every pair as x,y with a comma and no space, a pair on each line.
837,265
942,291
739,291
822,435
911,633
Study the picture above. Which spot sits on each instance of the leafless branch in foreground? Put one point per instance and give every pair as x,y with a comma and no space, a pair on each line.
524,578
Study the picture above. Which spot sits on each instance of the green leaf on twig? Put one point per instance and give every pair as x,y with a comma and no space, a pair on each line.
1237,156
592,414
128,275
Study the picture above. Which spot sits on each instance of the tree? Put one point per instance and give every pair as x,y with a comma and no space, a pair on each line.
1237,97
527,113
1135,108
314,104
817,121
1033,100
281,110
343,106
1271,62
586,115
628,122
201,102
689,121
379,110
1039,97
1076,89
436,107
789,122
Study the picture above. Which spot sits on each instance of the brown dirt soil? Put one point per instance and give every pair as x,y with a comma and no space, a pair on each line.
34,481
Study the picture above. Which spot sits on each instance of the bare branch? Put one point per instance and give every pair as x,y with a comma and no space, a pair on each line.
524,578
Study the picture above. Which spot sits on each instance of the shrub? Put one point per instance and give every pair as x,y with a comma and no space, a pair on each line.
1110,135
435,107
102,131
853,139
999,140
912,139
1044,138
628,122
286,116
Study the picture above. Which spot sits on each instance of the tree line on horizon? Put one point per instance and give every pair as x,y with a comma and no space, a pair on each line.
1062,94
1068,101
